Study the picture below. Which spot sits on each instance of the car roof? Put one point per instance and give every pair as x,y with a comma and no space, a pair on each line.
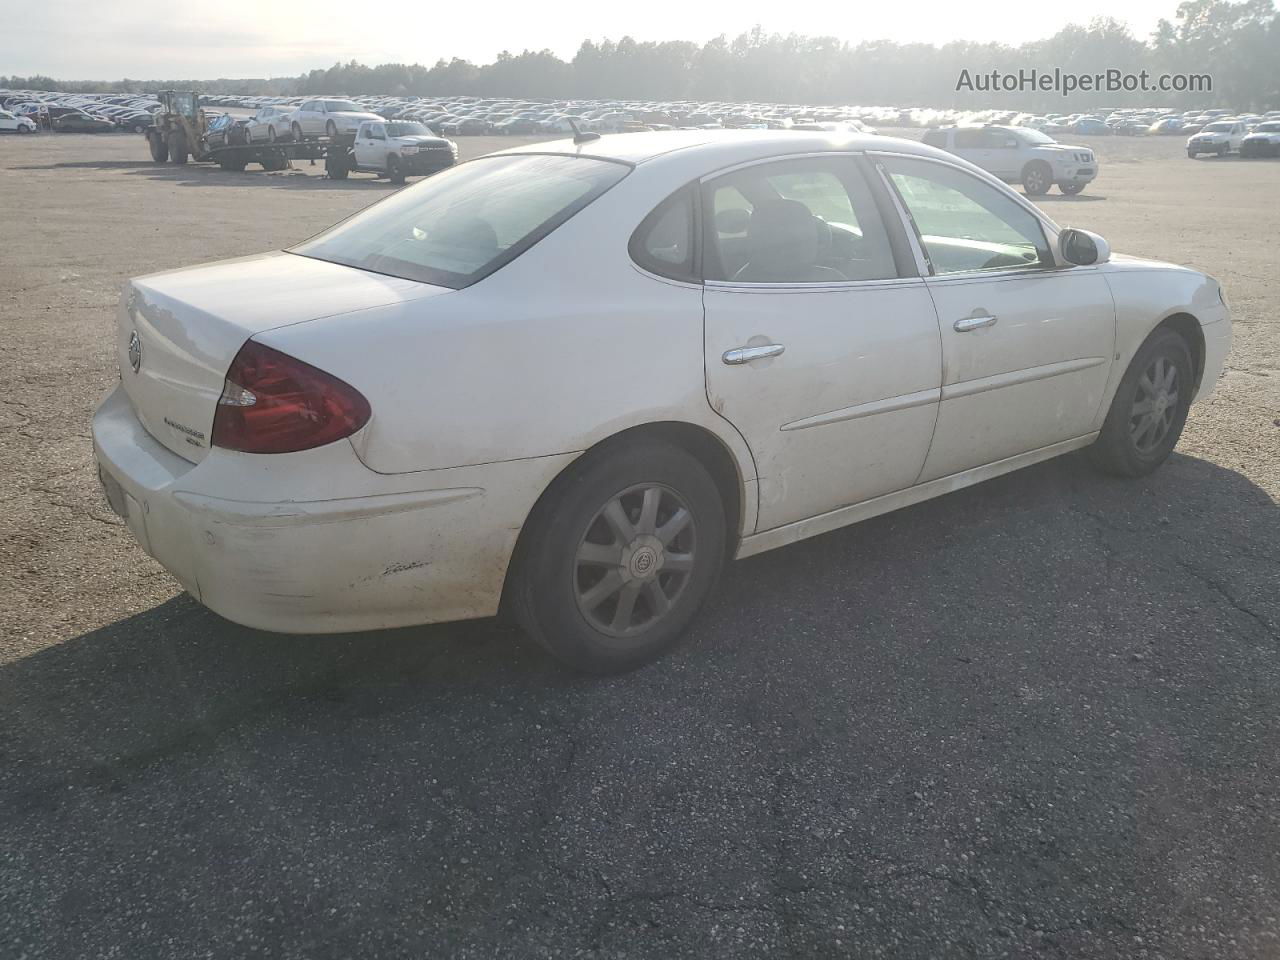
720,148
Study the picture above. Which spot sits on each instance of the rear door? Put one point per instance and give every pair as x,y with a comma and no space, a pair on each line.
818,348
974,144
1027,346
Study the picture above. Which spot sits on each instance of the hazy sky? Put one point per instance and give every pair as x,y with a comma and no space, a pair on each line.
179,39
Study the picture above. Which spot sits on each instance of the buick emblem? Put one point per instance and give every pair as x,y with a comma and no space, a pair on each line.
135,351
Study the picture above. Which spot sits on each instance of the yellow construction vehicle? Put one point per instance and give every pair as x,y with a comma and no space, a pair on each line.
179,129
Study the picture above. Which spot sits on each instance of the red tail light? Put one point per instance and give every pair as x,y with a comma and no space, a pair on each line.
272,403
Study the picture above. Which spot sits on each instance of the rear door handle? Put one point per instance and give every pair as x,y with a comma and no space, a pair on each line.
747,354
966,324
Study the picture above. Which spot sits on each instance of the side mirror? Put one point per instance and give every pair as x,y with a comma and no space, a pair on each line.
1082,247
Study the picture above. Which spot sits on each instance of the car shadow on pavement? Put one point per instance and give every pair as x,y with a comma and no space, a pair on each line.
302,176
1063,198
1056,691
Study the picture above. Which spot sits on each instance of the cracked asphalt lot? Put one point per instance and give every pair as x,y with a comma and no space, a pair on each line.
1038,717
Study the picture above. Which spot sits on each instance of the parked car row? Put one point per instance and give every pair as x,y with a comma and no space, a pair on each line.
80,113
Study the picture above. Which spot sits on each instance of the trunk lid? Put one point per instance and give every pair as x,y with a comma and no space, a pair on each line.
177,332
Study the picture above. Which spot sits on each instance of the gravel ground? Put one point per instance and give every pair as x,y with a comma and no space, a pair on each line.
1036,717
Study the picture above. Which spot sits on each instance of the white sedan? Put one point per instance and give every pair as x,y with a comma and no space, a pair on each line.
11,123
327,118
570,380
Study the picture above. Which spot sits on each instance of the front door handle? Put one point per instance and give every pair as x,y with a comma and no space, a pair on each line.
747,354
966,324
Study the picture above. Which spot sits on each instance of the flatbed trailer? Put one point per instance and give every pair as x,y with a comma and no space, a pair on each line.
336,152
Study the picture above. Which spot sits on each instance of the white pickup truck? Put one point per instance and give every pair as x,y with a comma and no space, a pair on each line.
397,149
1020,155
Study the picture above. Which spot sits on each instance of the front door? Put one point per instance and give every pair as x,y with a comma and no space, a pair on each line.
1027,346
825,359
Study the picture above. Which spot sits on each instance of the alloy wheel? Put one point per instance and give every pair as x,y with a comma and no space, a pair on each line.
634,560
1155,405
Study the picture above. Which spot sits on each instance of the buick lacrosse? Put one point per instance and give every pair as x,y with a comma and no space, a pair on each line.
570,380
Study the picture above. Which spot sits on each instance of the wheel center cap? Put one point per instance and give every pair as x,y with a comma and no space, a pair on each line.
1162,401
643,558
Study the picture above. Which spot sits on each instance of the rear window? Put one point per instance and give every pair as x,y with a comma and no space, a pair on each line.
460,225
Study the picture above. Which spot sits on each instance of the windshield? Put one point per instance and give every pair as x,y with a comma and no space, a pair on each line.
1218,128
461,225
407,129
1027,135
342,106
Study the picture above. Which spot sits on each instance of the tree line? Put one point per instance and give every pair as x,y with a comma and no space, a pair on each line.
1235,43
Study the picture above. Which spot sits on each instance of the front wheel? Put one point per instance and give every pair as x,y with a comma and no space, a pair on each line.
159,149
622,556
177,147
297,133
330,130
395,172
1071,189
1191,154
1149,409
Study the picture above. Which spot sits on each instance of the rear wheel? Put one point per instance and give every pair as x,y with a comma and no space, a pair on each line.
336,165
1071,189
271,134
177,147
620,560
159,149
1149,409
1037,177
232,164
275,163
297,132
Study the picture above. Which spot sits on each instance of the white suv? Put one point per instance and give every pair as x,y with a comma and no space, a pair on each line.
1020,155
1220,137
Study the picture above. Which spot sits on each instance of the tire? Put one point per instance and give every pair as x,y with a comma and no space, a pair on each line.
1223,150
330,130
274,164
297,133
271,134
395,173
1037,178
23,129
336,166
1071,189
159,149
1191,154
232,164
576,569
1125,446
177,147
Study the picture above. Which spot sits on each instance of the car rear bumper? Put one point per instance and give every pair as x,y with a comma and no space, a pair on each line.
408,549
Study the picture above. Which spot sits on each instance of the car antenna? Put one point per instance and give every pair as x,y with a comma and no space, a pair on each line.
578,136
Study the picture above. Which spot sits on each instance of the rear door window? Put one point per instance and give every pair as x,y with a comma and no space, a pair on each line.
794,221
